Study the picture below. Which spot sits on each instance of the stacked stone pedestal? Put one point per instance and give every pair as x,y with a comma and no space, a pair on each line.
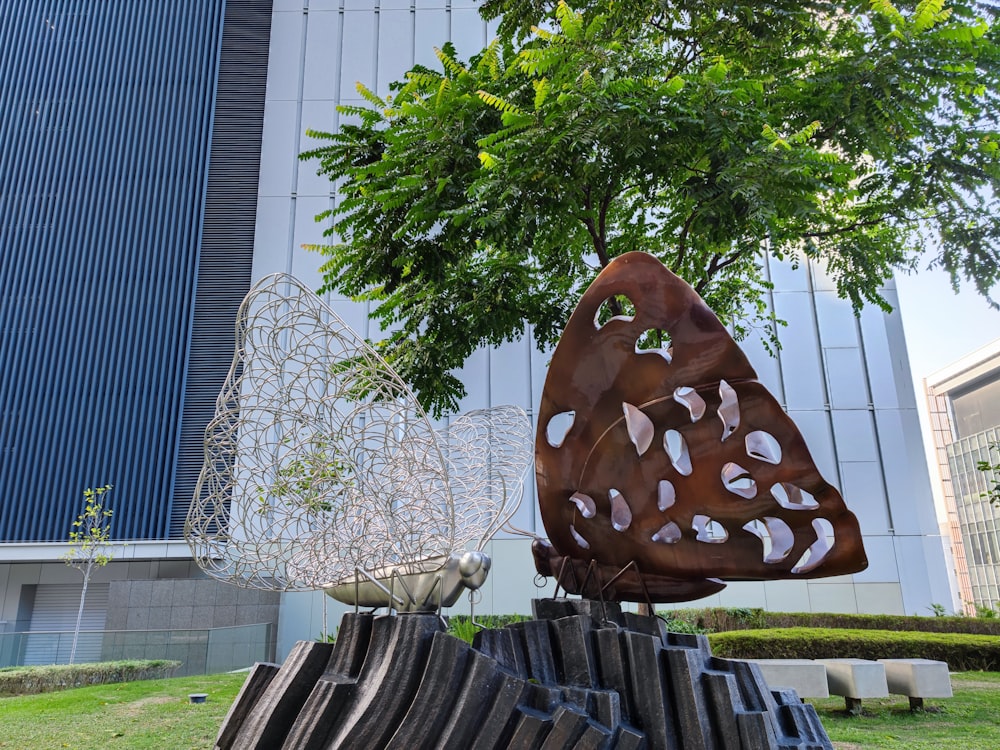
580,675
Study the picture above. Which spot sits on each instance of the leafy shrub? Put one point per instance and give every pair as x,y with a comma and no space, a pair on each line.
721,619
681,625
715,619
461,626
962,651
31,680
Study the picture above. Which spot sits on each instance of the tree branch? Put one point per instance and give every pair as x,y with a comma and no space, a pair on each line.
717,264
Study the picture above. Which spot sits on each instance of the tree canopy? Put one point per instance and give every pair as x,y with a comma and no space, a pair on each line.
482,197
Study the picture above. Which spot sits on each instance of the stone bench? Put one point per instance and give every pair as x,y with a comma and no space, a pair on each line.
917,679
856,679
807,677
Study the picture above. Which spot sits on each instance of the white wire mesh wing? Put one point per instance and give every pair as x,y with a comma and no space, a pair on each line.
319,460
487,452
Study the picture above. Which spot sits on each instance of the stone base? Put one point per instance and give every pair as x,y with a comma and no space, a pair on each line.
580,675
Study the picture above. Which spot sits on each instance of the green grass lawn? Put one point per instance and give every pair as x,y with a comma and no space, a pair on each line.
969,721
156,715
146,715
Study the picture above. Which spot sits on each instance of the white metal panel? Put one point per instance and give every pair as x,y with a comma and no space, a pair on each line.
881,599
283,60
847,385
768,366
803,370
863,490
430,30
358,53
316,115
308,231
787,277
272,237
278,153
816,431
322,63
468,32
887,365
882,563
395,47
855,435
742,594
838,326
475,375
822,281
922,572
832,597
785,596
355,314
509,372
905,466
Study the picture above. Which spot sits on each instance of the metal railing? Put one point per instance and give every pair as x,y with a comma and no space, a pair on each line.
205,651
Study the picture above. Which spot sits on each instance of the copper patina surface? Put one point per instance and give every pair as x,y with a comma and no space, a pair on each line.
679,469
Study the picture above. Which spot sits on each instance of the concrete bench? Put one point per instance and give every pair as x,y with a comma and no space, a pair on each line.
807,677
855,679
917,679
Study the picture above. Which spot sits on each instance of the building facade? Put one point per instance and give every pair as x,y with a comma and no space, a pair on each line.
964,406
152,192
129,153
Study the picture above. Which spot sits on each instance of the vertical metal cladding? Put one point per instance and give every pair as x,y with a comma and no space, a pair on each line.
226,257
106,110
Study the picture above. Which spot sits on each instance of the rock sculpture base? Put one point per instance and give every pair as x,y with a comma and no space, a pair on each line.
580,675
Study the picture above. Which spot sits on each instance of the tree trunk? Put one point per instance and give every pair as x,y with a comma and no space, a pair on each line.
79,615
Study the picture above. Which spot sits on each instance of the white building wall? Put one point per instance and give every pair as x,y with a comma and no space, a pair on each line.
844,379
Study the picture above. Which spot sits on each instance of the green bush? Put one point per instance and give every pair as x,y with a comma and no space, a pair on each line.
461,626
715,619
721,619
31,680
962,651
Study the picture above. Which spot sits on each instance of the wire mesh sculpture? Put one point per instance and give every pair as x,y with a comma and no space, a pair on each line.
663,466
322,471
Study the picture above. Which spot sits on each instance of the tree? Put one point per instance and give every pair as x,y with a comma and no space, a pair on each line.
89,546
482,197
993,475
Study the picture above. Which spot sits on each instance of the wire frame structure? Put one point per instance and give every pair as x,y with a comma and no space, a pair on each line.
320,463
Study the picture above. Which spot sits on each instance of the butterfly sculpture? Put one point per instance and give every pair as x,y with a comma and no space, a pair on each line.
664,468
321,470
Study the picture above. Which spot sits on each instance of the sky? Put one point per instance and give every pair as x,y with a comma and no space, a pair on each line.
941,327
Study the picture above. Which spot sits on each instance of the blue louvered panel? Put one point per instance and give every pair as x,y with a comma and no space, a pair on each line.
226,257
105,125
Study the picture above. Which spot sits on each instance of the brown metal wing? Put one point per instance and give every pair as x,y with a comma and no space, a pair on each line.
673,468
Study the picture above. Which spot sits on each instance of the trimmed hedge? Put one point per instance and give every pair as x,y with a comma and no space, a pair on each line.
962,651
31,680
719,619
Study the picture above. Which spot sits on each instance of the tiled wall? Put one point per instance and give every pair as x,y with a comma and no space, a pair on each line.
179,604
